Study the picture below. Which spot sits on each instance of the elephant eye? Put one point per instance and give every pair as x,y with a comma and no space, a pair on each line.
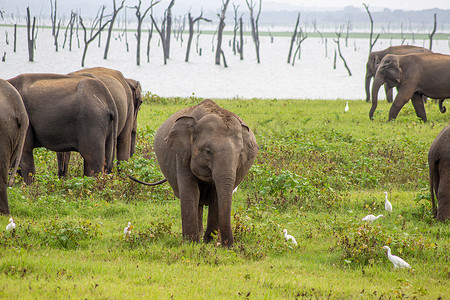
206,150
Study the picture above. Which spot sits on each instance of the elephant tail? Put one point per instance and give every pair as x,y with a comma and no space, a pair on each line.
22,121
442,108
147,183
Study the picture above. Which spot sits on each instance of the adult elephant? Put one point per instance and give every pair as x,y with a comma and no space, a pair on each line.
204,152
375,58
415,75
13,127
127,98
439,163
68,113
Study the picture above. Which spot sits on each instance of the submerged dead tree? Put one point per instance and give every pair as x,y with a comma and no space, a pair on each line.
432,32
162,37
219,51
30,35
192,22
140,16
337,41
236,27
53,8
294,35
371,44
301,37
254,24
168,28
92,35
111,25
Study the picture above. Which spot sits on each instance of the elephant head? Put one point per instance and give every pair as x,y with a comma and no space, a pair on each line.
218,150
136,91
389,72
371,68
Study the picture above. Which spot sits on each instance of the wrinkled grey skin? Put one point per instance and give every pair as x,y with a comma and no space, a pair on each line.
439,162
375,58
13,128
415,75
68,113
127,98
204,152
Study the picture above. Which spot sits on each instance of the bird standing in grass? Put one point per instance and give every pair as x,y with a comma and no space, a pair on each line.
397,261
371,218
289,237
11,225
127,230
387,204
346,107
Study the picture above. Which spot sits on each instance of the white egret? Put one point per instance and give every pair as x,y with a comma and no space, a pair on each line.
11,225
127,230
235,189
289,237
371,218
397,261
387,204
346,107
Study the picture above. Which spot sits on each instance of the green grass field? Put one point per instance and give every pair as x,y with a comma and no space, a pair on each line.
318,172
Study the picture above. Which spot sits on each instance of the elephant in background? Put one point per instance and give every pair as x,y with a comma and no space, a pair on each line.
127,98
13,128
439,163
415,75
68,113
375,58
204,152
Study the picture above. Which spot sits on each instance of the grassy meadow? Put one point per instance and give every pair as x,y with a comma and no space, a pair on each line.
318,172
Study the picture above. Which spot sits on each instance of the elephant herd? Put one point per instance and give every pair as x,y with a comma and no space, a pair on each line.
417,73
203,151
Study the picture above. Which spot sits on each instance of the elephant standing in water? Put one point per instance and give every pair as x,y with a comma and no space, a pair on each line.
204,152
13,128
127,98
415,75
439,162
375,58
68,113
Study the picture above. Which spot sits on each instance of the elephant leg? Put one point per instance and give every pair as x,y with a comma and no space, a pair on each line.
189,199
403,96
443,193
389,93
4,208
419,106
200,219
212,226
124,145
94,157
63,163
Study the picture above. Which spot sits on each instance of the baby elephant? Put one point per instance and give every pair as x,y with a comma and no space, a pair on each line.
13,128
204,152
439,162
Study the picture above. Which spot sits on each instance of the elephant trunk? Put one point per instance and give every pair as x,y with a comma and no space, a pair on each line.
224,186
368,79
377,83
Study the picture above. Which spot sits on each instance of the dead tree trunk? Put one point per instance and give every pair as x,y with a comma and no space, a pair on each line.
338,34
53,8
254,24
241,39
371,44
349,27
432,32
236,27
168,28
140,18
294,35
301,38
56,36
150,35
92,36
191,32
161,35
15,37
101,10
111,25
220,31
30,35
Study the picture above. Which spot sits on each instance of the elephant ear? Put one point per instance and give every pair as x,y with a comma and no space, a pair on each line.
250,146
136,90
391,69
180,137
